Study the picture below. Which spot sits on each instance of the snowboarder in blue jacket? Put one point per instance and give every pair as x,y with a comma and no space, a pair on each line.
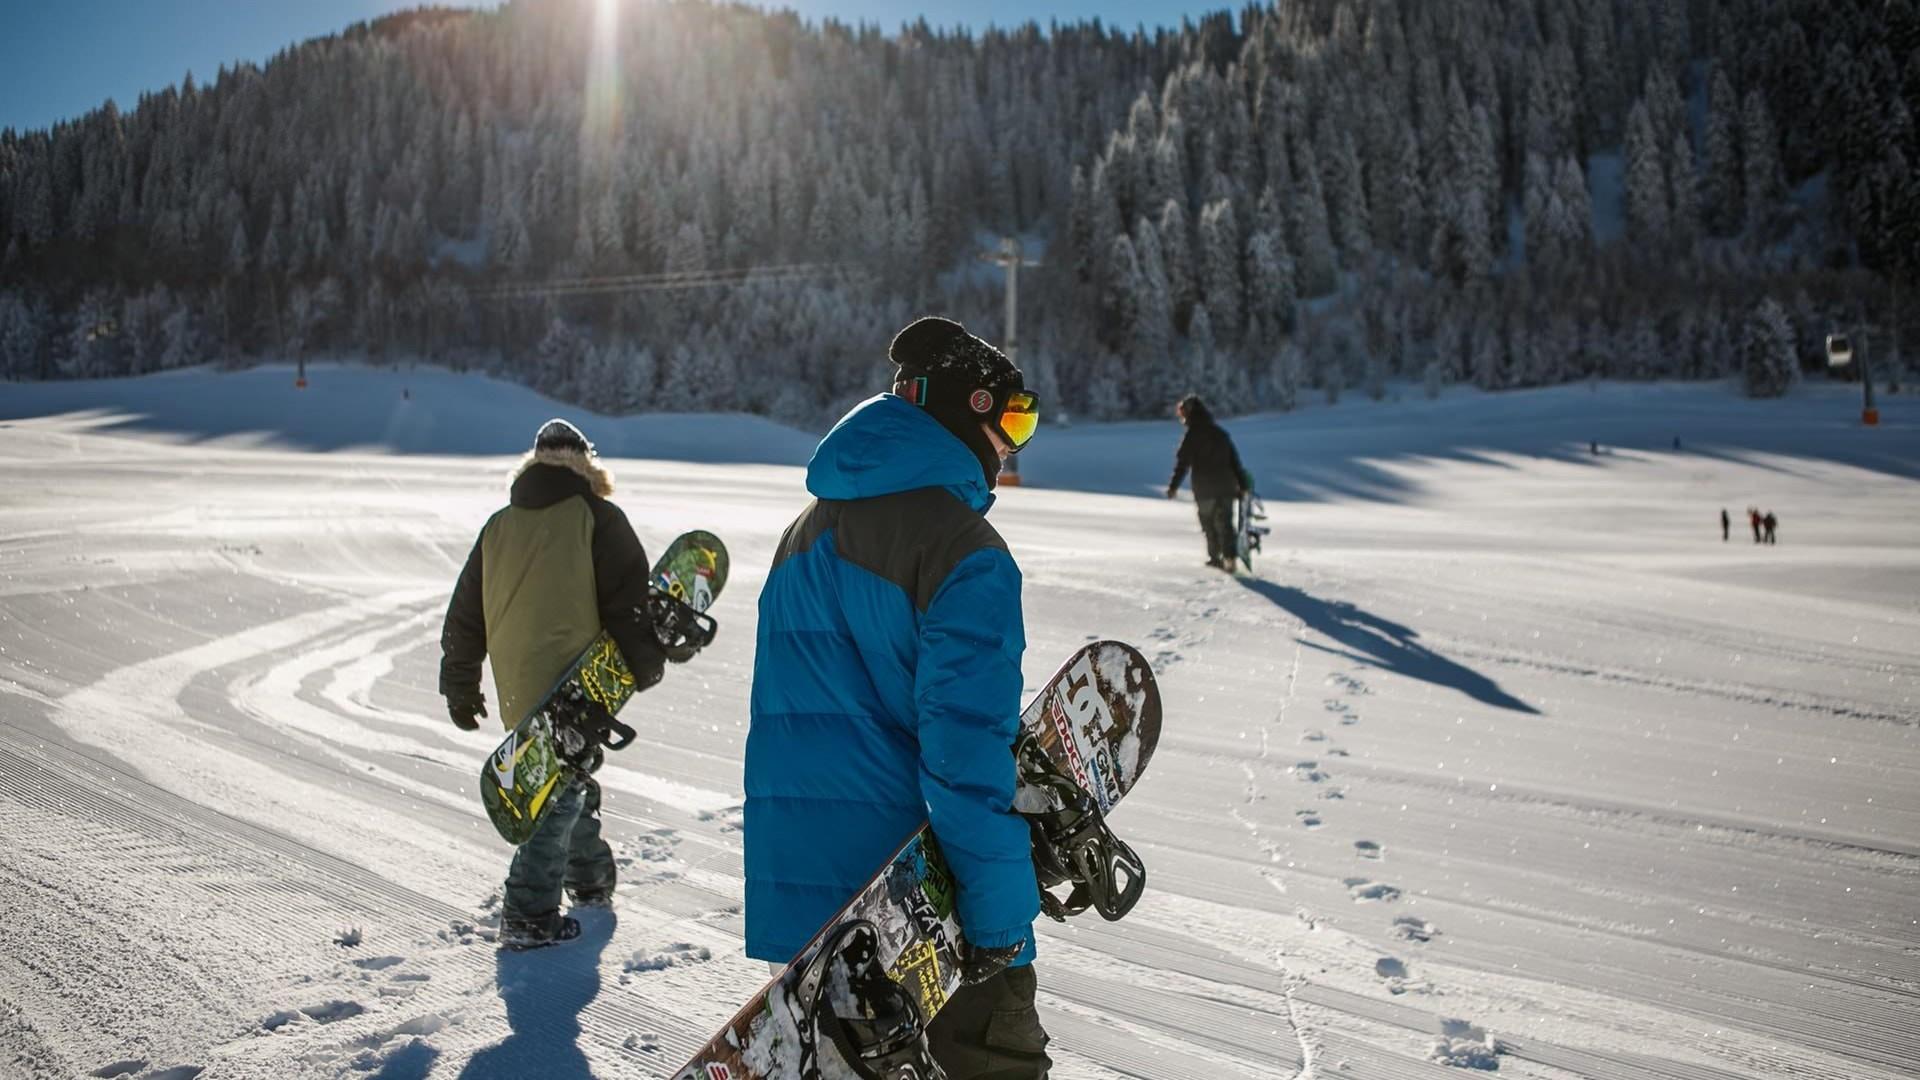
886,686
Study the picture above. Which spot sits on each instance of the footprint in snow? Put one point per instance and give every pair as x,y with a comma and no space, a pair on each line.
1310,772
1335,751
176,1072
1309,818
649,847
1464,1045
677,955
1347,684
1394,972
1366,849
731,818
1316,735
1414,928
378,963
645,1042
1335,705
324,1013
1363,890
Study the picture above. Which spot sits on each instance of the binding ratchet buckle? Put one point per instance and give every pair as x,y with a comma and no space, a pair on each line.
680,630
1071,843
885,1038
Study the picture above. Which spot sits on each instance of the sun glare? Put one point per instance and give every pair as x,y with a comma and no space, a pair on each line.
602,112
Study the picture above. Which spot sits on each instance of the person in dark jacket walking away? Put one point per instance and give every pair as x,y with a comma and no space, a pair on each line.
1218,479
886,687
549,570
1769,523
1726,524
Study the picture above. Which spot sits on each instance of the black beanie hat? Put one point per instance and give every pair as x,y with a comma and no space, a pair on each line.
557,434
955,365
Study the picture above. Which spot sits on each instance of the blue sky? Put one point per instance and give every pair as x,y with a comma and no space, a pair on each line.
60,59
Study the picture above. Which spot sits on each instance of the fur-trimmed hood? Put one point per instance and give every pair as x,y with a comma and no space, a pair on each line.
586,466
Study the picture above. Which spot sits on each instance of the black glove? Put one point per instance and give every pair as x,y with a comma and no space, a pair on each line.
979,965
1173,492
466,707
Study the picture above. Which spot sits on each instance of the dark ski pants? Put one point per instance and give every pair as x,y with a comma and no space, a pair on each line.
992,1031
566,852
1216,520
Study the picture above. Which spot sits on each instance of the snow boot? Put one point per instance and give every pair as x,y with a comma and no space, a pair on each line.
591,898
520,935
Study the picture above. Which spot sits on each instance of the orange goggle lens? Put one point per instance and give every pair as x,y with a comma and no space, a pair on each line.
1020,418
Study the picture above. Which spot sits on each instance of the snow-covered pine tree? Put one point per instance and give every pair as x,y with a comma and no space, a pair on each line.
1154,378
1722,179
1761,161
1312,240
1648,213
1220,270
1270,290
1683,186
1766,351
1176,258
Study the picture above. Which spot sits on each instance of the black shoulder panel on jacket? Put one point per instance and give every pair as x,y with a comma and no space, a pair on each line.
912,538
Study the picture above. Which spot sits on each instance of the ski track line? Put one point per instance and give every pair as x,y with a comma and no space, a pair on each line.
347,888
262,860
1582,803
1774,698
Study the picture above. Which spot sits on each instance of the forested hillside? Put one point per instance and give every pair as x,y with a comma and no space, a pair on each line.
680,205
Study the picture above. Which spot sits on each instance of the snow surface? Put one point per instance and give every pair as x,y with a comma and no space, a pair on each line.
1501,759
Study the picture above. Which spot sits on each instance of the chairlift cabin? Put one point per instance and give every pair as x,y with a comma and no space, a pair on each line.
1839,350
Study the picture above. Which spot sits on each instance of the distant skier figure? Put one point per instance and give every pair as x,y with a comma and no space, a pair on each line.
1753,518
549,570
1726,525
1218,478
886,687
1768,523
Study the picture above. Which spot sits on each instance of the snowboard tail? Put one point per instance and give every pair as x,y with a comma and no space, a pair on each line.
1247,534
1084,740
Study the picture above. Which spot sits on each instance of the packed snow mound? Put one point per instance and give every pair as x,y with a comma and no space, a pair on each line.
420,410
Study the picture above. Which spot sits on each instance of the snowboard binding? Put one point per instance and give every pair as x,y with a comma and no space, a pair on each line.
886,1041
583,728
681,631
1071,843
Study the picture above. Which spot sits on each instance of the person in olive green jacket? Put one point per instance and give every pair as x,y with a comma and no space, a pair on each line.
549,571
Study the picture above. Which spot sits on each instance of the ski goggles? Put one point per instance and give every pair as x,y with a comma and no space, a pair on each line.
1019,417
1014,413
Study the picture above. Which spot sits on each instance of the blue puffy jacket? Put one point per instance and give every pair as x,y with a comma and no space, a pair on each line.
886,688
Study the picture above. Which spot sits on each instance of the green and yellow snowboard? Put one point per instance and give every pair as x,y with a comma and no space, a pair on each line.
577,717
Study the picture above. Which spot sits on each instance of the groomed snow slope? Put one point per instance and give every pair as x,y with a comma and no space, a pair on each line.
1501,758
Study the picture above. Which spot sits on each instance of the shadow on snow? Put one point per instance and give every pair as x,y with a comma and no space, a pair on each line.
1367,638
545,991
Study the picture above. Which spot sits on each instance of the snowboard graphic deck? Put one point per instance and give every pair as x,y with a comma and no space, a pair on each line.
1251,510
535,760
1097,720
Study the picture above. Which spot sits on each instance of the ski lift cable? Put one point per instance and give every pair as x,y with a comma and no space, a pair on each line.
672,280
